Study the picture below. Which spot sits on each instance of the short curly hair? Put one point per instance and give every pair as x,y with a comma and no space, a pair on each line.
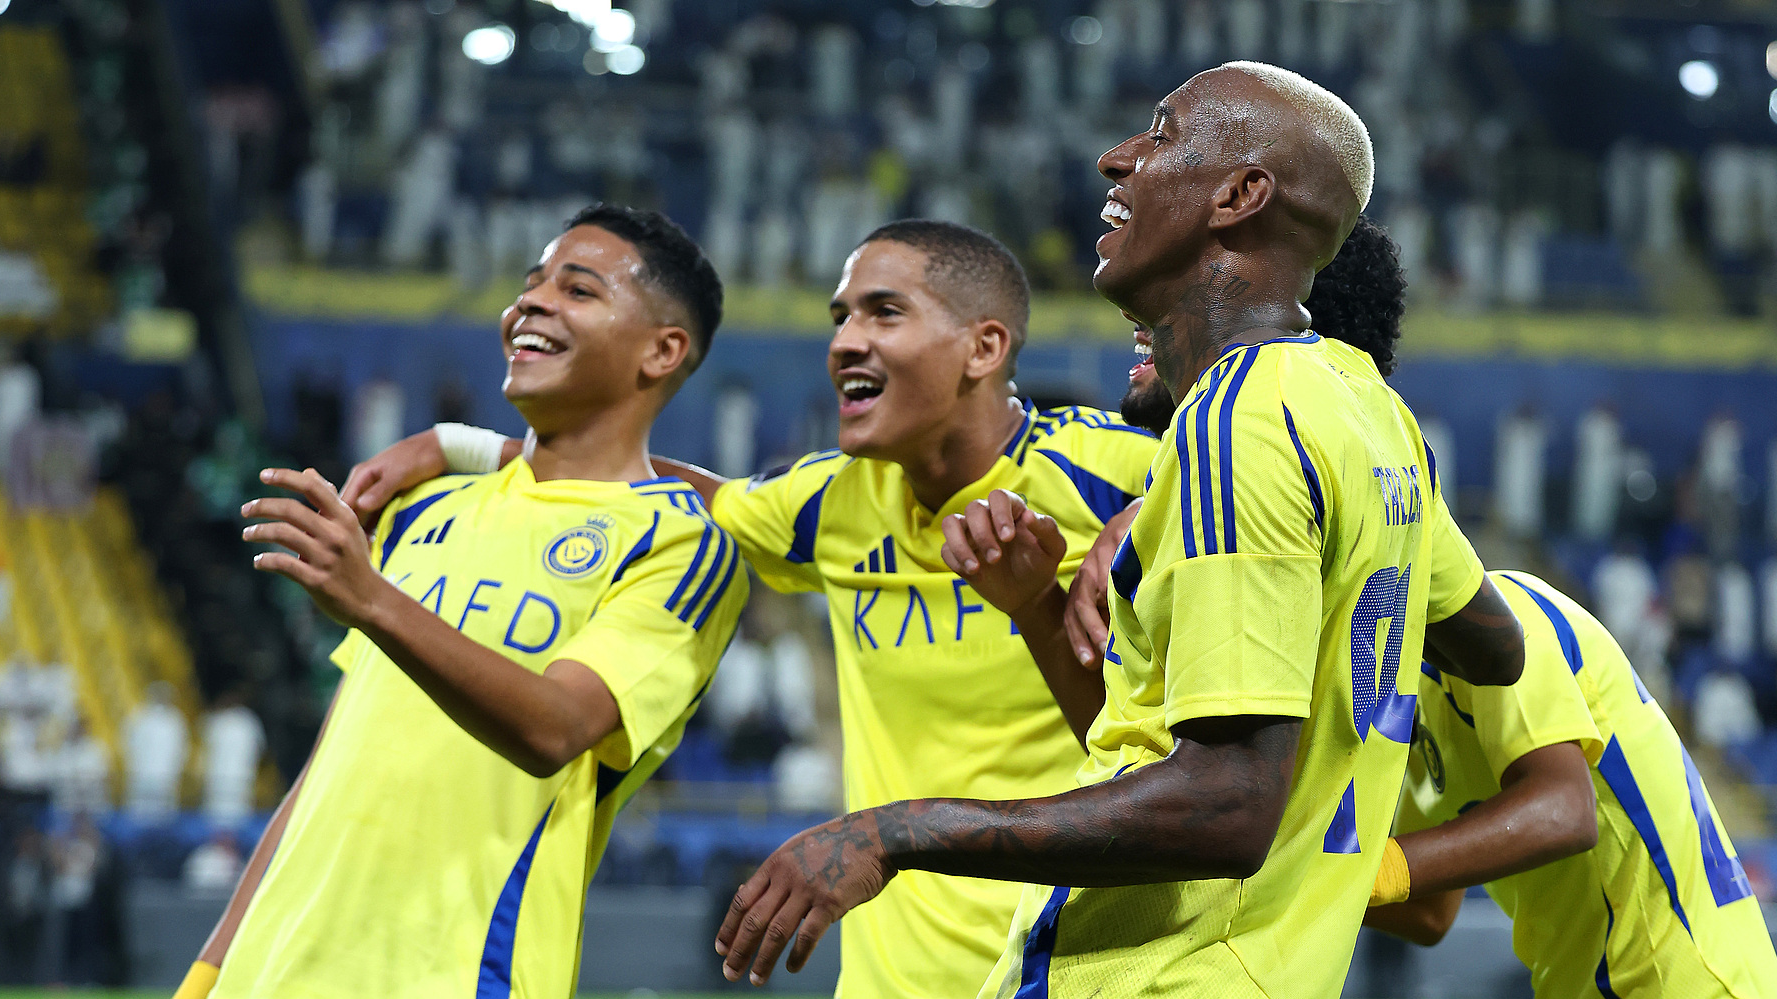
674,263
1360,296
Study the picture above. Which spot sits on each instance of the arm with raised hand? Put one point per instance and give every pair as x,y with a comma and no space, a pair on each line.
1010,554
1210,809
419,458
538,721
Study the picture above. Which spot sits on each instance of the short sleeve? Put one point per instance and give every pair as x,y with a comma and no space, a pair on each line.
1544,707
1239,587
774,516
1106,459
1455,570
657,661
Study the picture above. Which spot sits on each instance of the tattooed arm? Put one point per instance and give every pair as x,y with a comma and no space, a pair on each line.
1210,809
1482,643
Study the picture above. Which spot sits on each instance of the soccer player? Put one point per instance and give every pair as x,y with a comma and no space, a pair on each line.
1243,772
1512,786
526,647
938,695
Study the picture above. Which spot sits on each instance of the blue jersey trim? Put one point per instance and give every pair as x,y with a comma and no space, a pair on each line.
1431,466
709,577
1206,485
1727,879
496,954
1102,498
1341,834
1030,416
404,519
642,547
1308,473
1126,570
1614,768
1307,336
1602,978
721,588
808,520
1225,453
1039,947
703,546
1570,643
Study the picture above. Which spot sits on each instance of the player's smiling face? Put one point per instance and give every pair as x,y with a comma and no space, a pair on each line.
577,333
1158,206
898,353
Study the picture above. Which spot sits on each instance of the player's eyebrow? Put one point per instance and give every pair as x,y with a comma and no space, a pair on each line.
868,300
583,269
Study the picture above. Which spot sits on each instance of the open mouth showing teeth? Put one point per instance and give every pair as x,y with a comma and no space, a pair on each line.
537,342
1116,213
859,389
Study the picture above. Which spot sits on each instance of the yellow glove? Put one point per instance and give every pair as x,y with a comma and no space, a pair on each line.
1393,882
198,981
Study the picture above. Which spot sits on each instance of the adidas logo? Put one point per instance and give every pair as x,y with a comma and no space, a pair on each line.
881,559
436,535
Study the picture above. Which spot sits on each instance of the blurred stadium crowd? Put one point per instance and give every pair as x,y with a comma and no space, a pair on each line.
162,162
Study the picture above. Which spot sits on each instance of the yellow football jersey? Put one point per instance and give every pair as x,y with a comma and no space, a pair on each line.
1279,566
938,695
418,862
1660,907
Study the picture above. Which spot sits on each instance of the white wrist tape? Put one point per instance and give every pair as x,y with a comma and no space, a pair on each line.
469,449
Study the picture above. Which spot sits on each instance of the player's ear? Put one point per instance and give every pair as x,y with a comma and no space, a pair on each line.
1242,195
667,352
992,348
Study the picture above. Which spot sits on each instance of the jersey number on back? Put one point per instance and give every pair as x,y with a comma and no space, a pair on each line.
1376,700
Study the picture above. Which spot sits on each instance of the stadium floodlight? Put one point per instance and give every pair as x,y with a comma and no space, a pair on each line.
490,45
626,61
612,29
1699,78
1085,30
4,4
1770,58
1771,108
583,12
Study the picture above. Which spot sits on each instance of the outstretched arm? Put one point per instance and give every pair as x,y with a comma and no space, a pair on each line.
1010,554
539,722
419,458
1423,920
1210,809
1482,643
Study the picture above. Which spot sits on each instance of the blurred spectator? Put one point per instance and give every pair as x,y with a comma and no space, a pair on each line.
1623,589
806,779
27,905
233,742
1723,713
1719,474
1597,474
214,866
155,747
1768,605
1518,473
1736,616
82,773
73,940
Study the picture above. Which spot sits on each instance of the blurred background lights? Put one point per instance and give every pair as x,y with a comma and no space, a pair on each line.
612,30
4,4
491,45
626,60
1699,78
1771,107
1085,30
1771,60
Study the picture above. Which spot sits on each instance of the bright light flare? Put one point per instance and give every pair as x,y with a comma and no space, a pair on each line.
626,61
491,45
1699,78
612,30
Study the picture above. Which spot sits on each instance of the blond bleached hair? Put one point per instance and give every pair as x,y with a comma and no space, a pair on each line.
1332,119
